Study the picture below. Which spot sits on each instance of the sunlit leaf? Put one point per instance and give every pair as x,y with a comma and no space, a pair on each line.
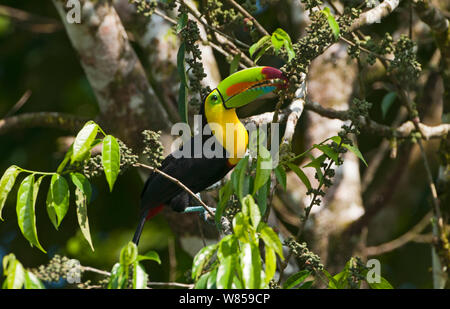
25,211
16,275
332,22
151,256
202,281
262,42
140,277
225,272
271,264
201,259
263,168
82,183
251,265
111,159
237,177
83,141
128,254
6,184
57,199
82,215
227,246
239,226
251,209
32,282
271,239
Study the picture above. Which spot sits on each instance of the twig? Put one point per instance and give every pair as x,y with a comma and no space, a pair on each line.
108,274
249,16
402,240
23,99
32,22
179,183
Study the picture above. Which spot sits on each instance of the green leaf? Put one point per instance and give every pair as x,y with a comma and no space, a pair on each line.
83,141
237,177
234,65
151,255
332,22
25,211
271,264
383,284
279,39
117,280
82,183
6,184
332,283
297,170
128,254
296,279
227,246
57,199
271,239
224,195
306,285
316,163
212,278
202,281
16,275
263,168
111,159
330,152
240,224
201,259
251,265
32,282
250,209
356,151
280,174
262,42
387,102
181,22
82,215
261,198
225,272
140,277
261,53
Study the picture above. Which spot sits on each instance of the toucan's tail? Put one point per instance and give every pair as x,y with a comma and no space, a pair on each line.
139,229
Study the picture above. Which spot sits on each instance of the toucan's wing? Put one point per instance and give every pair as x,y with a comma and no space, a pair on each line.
196,173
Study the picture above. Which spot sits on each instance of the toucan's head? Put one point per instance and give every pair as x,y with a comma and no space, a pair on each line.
245,86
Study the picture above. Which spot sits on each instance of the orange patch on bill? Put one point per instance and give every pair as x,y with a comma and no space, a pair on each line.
239,87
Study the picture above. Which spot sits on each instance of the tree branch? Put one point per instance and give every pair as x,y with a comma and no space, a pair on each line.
402,240
375,15
52,120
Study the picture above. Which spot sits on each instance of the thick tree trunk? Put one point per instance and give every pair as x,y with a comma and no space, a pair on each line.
127,102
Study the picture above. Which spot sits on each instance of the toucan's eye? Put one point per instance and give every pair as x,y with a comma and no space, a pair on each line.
214,97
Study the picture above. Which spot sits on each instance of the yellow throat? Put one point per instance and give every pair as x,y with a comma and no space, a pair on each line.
228,130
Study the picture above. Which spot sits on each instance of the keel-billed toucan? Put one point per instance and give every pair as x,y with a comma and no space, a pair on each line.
200,171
